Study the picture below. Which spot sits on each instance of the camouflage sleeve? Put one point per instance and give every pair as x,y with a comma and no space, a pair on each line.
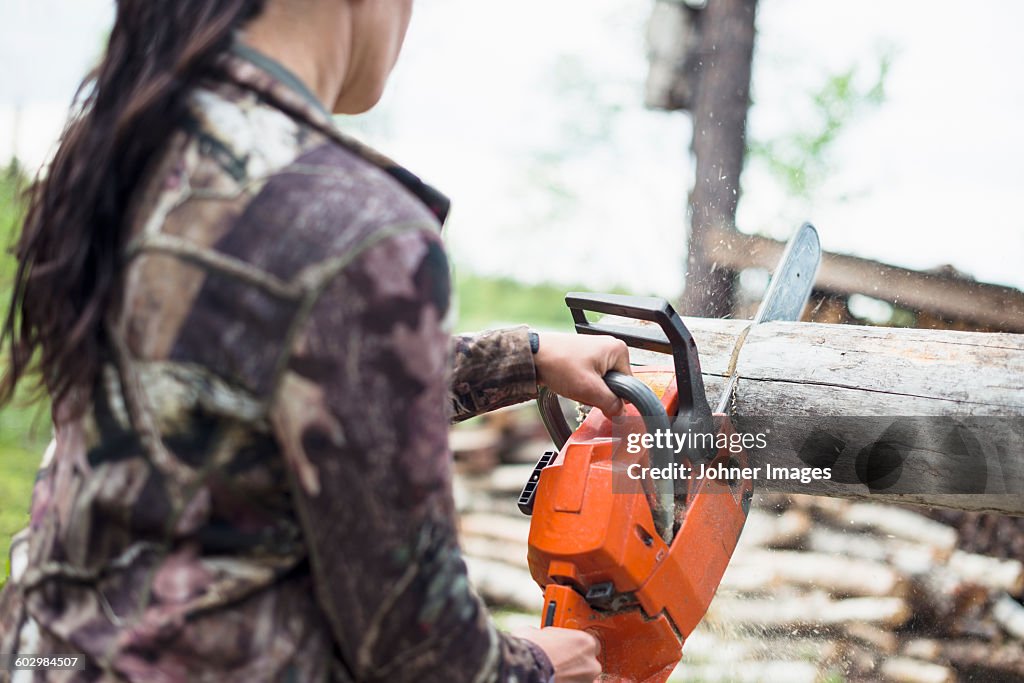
361,416
492,370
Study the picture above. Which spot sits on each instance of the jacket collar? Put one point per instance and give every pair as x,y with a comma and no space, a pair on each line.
274,82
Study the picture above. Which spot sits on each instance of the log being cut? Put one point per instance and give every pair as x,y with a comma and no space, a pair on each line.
943,410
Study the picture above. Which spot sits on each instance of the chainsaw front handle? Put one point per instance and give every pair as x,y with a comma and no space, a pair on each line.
656,420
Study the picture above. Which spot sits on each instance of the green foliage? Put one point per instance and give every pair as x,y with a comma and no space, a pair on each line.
17,475
486,302
801,159
21,424
12,183
20,446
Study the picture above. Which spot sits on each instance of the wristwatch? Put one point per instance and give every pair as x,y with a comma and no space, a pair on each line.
534,341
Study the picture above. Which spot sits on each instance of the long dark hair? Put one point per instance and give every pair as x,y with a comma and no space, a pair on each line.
69,250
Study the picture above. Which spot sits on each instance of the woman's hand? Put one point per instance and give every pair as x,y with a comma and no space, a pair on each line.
572,653
574,365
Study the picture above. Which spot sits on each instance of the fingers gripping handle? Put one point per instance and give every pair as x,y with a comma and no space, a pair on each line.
674,339
633,647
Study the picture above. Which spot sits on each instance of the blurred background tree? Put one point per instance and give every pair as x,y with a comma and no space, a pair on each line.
802,158
710,51
701,58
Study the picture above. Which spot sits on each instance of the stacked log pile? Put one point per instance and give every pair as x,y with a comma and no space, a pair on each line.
819,589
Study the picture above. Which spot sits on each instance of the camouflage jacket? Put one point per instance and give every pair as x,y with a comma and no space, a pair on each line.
261,488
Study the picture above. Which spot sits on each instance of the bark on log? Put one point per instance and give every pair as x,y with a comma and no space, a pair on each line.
817,373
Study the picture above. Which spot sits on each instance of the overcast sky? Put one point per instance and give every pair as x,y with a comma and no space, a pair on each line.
529,114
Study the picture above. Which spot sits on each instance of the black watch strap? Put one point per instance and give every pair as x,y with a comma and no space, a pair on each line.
534,341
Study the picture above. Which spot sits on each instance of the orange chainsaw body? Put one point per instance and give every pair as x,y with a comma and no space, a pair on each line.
594,549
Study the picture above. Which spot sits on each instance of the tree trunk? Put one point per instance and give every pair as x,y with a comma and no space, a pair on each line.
726,29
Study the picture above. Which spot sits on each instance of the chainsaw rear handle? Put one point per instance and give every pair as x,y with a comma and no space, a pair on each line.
625,387
655,419
552,416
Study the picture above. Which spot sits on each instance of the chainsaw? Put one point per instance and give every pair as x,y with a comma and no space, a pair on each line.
637,560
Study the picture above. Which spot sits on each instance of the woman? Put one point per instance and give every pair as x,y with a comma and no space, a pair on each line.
239,315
